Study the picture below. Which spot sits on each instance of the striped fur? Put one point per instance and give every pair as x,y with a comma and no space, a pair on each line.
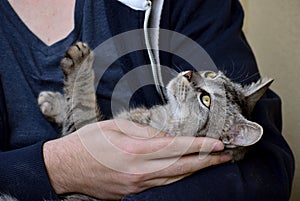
199,104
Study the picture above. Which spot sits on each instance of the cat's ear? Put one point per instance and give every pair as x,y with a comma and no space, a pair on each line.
242,133
255,91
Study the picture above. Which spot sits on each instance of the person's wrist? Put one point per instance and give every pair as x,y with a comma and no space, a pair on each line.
59,163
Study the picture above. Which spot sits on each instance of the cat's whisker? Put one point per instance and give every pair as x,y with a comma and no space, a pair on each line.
170,71
178,68
198,105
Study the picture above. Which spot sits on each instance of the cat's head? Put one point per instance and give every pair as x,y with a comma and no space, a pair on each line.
210,104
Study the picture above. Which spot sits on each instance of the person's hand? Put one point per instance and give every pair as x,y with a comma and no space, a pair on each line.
111,159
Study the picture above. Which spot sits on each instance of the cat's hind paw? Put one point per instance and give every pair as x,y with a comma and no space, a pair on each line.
75,56
52,105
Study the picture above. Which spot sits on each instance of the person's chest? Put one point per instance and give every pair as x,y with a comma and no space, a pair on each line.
49,20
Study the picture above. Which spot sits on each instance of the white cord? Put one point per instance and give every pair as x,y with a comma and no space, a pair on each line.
156,71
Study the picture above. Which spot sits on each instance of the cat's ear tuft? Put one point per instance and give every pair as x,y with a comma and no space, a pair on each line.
255,91
243,133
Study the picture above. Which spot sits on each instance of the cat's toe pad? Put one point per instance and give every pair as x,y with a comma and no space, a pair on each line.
76,55
47,103
52,106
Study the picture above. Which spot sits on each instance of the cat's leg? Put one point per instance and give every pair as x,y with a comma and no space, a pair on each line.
138,115
79,88
53,106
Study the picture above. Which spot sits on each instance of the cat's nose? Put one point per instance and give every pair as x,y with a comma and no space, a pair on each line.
188,75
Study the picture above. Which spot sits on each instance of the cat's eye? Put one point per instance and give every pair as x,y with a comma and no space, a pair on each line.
204,98
211,74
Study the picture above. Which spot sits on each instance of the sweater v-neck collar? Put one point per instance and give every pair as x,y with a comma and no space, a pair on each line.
37,43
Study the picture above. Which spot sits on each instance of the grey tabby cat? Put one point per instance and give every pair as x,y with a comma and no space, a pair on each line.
199,104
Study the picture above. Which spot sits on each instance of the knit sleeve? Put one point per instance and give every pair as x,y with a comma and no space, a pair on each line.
22,171
23,174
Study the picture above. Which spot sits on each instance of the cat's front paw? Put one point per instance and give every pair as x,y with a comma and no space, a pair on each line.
75,56
52,105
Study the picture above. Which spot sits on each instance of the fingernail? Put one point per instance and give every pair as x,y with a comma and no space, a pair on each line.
226,158
218,146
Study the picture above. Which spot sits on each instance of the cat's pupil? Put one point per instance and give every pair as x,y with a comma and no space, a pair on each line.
205,99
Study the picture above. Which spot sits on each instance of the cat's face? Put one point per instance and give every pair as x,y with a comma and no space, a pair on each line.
210,104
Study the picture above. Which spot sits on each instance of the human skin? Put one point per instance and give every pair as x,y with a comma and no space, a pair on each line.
72,168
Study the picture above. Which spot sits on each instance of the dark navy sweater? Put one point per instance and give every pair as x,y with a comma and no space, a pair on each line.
28,66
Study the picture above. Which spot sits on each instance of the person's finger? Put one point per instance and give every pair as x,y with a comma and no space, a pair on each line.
181,169
160,146
166,147
189,164
163,173
144,155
